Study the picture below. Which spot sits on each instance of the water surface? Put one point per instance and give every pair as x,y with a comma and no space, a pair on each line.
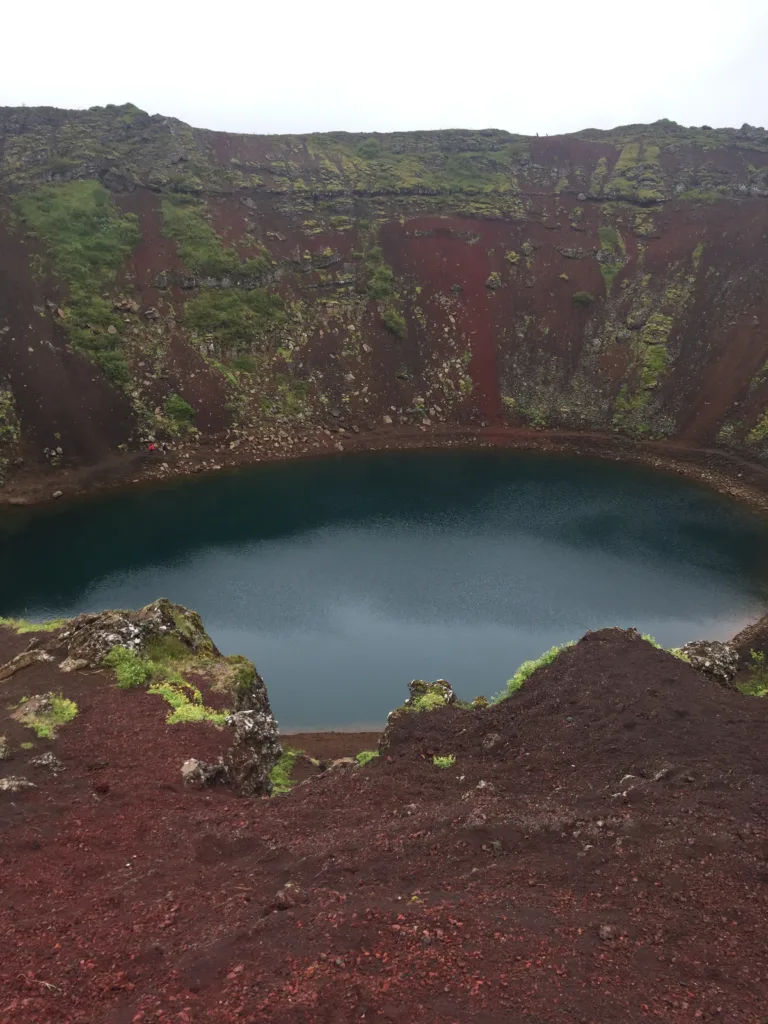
344,578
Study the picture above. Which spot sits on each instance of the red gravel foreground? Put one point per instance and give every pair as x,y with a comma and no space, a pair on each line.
598,853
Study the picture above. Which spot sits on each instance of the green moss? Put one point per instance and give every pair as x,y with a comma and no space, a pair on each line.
10,433
164,680
366,756
46,719
448,761
759,431
179,414
280,776
527,669
382,278
428,701
394,321
582,299
237,319
87,240
200,248
341,223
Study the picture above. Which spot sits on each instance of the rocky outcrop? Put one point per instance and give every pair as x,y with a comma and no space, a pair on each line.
719,661
88,638
256,746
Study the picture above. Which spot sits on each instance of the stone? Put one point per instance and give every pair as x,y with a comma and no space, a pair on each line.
48,761
608,932
491,740
90,637
15,784
23,660
73,665
719,661
57,494
203,773
387,420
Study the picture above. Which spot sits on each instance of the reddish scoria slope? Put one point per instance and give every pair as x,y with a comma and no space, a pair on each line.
534,880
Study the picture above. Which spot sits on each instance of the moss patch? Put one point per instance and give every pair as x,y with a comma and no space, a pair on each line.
280,776
87,240
200,248
163,677
45,713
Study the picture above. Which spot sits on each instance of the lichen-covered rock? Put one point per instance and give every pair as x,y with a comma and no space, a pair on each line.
719,661
49,761
204,773
256,746
440,688
5,749
15,784
88,638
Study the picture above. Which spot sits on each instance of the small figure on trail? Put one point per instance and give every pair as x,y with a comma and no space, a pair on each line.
151,446
163,447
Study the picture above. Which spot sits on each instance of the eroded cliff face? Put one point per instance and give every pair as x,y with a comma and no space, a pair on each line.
157,280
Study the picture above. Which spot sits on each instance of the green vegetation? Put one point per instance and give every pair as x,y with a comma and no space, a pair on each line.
46,714
428,701
582,299
394,321
613,255
280,776
130,669
162,677
382,278
527,669
759,431
87,240
444,762
757,684
200,248
366,756
178,414
235,318
24,626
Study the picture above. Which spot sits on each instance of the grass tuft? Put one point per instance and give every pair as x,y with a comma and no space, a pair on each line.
444,762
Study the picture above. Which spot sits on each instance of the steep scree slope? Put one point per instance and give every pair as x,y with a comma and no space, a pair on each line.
156,279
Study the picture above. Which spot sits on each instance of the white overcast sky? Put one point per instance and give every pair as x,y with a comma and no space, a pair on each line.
549,66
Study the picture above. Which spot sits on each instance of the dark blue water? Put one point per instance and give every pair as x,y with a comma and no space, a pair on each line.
344,578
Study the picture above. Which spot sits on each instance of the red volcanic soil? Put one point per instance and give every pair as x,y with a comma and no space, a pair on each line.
598,852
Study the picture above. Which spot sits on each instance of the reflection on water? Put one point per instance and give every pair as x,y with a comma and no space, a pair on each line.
344,578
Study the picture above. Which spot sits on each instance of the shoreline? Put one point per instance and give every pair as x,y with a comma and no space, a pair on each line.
721,470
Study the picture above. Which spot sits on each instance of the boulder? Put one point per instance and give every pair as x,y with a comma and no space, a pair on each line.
15,784
256,745
88,638
719,661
